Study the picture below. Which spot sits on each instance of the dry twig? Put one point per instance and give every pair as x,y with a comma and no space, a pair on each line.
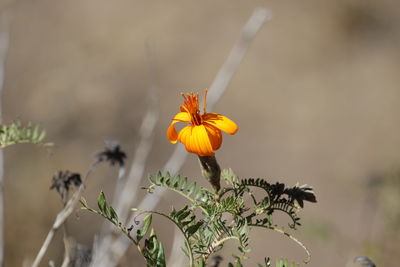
4,42
62,216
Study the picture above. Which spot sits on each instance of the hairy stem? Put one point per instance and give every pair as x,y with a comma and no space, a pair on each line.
283,232
211,171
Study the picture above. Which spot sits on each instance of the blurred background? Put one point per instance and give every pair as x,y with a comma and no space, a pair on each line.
316,99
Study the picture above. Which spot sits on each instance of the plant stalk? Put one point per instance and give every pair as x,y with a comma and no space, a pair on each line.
211,171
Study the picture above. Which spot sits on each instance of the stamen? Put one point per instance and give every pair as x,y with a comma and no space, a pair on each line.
205,101
185,108
191,106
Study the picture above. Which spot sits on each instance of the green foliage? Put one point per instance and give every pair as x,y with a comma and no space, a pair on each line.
209,220
153,251
285,263
140,233
16,133
230,177
180,185
109,213
278,263
277,198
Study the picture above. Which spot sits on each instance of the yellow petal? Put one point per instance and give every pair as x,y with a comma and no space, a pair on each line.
196,140
214,135
221,122
200,136
171,132
182,116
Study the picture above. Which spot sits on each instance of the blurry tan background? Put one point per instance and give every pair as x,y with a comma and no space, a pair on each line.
316,99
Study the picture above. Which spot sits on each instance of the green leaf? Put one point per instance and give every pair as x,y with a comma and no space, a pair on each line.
146,225
113,214
180,185
230,177
193,229
101,202
15,133
191,188
200,263
153,251
83,202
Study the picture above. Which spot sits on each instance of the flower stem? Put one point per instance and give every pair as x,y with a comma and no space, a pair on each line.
211,171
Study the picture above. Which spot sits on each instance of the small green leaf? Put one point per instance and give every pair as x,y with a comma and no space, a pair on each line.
146,225
193,228
201,263
84,202
160,255
101,202
113,214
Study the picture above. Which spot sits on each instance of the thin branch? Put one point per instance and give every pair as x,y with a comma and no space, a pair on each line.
283,232
68,241
4,43
68,247
118,248
62,216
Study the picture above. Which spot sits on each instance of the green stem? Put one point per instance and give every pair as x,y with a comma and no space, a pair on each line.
191,258
281,231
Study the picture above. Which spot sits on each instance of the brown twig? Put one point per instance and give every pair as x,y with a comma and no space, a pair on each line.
62,216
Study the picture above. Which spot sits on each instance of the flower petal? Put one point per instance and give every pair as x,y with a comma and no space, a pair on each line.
196,140
182,116
215,136
171,132
221,122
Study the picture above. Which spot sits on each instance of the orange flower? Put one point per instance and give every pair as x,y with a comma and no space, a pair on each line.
202,135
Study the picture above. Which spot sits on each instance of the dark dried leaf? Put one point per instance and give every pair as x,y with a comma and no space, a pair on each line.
112,154
301,194
63,180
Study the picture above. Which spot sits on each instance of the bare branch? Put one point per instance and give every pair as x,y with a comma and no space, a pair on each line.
62,216
4,42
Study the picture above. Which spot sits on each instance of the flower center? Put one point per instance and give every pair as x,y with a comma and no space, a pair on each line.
191,106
